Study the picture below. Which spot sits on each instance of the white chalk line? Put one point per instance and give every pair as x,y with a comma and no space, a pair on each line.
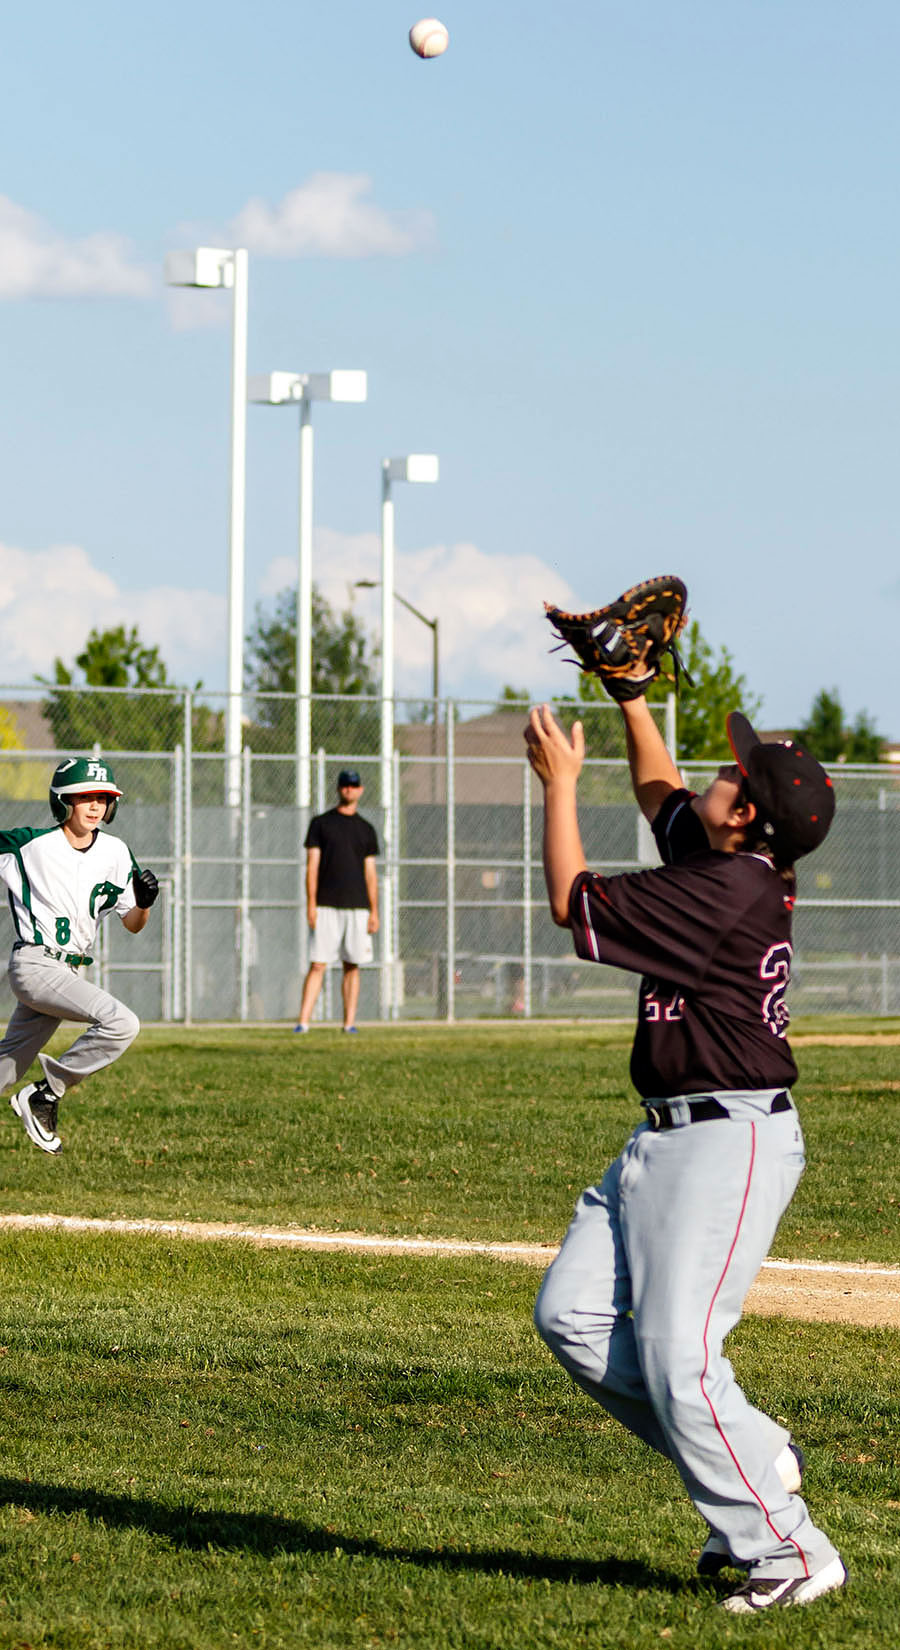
290,1238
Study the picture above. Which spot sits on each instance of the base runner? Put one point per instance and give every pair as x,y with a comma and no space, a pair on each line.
653,1271
62,880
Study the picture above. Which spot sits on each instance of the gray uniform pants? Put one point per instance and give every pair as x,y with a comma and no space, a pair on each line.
48,992
651,1276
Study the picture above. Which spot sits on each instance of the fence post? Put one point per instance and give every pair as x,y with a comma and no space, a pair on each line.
324,1006
175,1010
526,891
671,733
882,891
395,937
450,724
246,934
386,768
188,839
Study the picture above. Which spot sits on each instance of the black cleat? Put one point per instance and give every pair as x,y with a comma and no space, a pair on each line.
37,1105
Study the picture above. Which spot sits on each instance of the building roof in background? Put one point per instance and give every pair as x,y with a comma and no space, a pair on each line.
494,752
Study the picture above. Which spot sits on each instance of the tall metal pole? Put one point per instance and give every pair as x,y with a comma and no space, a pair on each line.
387,735
236,530
671,728
435,695
304,608
387,633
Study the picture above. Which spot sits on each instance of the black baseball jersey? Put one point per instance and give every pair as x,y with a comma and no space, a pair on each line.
711,934
345,842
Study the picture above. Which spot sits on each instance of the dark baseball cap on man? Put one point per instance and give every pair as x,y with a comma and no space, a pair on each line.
348,776
792,793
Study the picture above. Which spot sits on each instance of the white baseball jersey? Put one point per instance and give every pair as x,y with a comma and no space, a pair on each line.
58,894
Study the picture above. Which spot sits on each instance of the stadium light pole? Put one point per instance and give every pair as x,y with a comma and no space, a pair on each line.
213,266
414,467
278,389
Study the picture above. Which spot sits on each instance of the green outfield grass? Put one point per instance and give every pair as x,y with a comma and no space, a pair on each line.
463,1132
208,1445
211,1445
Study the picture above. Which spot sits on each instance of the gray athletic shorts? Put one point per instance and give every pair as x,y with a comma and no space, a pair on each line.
341,936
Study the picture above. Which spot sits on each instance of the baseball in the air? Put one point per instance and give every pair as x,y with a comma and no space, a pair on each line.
428,37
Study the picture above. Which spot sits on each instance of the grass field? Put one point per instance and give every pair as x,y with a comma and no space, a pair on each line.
463,1133
217,1445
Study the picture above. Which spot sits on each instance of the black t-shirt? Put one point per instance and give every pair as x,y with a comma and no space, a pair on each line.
345,842
711,934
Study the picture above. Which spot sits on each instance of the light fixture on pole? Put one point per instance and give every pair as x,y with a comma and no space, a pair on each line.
213,266
278,389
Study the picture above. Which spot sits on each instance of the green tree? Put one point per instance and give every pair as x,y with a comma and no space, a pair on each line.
113,659
513,698
703,708
343,655
344,664
828,736
864,742
102,699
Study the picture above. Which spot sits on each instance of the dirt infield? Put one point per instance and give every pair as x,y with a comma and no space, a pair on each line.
828,1294
815,1291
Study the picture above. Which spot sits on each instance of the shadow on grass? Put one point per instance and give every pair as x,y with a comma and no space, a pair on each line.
267,1535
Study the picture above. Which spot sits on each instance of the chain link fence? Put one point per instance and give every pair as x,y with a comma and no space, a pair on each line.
465,930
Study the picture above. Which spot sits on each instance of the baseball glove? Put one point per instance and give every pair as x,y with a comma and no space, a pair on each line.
624,642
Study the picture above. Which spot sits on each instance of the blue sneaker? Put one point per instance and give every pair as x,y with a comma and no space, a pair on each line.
302,1029
350,1031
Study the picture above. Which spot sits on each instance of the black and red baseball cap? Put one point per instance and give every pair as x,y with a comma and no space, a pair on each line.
792,793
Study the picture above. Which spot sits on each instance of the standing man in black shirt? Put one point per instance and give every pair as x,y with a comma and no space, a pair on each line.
341,897
653,1271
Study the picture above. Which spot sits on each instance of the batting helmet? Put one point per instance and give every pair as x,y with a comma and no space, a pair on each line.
78,775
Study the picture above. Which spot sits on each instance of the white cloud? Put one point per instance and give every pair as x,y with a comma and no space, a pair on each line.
51,599
490,612
36,261
489,607
330,216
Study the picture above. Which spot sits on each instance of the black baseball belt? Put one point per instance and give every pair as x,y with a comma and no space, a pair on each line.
670,1114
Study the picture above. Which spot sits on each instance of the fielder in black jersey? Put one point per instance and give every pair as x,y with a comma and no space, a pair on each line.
654,1269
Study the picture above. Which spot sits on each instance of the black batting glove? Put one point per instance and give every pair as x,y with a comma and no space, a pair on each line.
146,889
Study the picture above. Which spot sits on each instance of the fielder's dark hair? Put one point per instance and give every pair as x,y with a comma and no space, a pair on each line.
756,841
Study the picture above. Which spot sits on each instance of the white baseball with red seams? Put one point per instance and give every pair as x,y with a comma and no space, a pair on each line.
429,37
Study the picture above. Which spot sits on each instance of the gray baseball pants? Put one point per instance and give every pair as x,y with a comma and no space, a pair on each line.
48,992
651,1276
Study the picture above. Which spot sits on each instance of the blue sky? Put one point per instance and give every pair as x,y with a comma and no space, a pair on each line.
629,269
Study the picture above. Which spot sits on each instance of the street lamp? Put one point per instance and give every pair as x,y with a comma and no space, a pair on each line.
278,389
373,584
213,266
